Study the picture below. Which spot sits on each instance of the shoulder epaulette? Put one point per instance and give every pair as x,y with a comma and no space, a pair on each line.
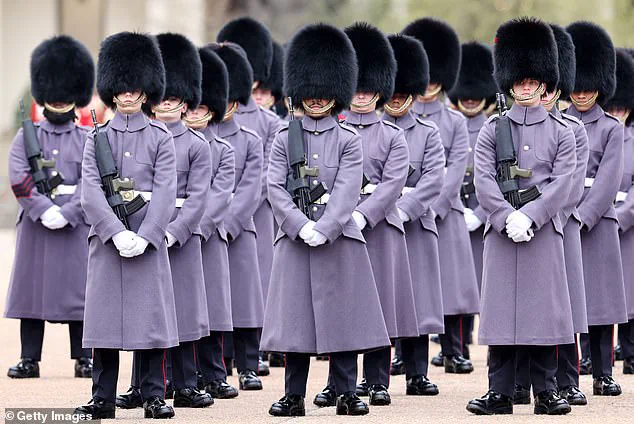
562,121
349,128
91,130
492,118
613,117
284,126
197,134
250,131
391,124
269,112
426,123
223,141
455,112
571,118
159,125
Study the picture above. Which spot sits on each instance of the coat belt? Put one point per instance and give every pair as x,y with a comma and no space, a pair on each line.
147,196
64,189
621,196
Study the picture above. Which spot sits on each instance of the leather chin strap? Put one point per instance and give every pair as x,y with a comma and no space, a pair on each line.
401,110
549,104
587,102
318,113
229,113
370,102
59,110
471,111
433,93
142,97
539,91
176,108
200,122
270,103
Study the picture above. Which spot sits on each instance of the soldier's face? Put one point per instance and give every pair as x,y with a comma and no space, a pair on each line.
526,88
129,101
396,102
620,112
262,96
547,99
169,111
363,102
583,100
194,116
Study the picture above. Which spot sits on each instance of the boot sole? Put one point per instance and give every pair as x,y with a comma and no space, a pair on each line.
187,404
345,411
599,392
128,406
577,402
242,387
380,402
481,411
292,413
219,396
324,404
164,416
414,392
19,376
542,410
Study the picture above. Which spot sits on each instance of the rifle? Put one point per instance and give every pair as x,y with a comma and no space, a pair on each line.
115,188
508,172
37,163
297,183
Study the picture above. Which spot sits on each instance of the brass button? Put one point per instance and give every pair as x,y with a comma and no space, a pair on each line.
314,208
470,150
54,173
52,197
316,133
315,182
527,148
360,125
466,196
425,115
315,156
55,151
468,174
127,154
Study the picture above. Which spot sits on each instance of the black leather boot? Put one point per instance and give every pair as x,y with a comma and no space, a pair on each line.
26,368
618,353
437,360
605,386
190,397
220,389
155,407
263,368
350,404
573,395
326,397
169,390
457,365
421,386
585,366
397,367
628,366
492,403
362,388
379,396
96,409
83,368
289,406
130,399
548,402
276,359
249,381
521,395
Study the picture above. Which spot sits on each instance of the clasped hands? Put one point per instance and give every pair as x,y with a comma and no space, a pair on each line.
518,227
129,244
53,219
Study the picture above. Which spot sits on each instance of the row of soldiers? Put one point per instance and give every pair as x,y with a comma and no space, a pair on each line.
392,225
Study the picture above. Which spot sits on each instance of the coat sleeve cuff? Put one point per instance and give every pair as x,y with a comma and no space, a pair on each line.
537,212
153,233
441,206
330,228
479,212
38,207
373,217
293,222
498,218
233,227
180,230
72,213
108,227
409,206
589,217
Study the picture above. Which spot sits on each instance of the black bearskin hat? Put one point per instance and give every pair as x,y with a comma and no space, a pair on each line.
183,70
375,58
276,78
442,46
62,70
412,74
475,80
321,64
215,85
256,41
624,93
566,60
525,48
130,61
238,68
596,59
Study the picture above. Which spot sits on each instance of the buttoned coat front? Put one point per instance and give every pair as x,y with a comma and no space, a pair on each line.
625,213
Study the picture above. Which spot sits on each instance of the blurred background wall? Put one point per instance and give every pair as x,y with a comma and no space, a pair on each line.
25,23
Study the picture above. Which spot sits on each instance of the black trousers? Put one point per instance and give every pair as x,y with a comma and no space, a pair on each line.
626,339
32,339
183,359
342,369
105,373
584,342
415,355
567,366
210,359
451,341
376,366
246,348
468,321
601,349
503,363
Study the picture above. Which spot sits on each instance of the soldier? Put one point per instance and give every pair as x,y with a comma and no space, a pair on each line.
621,106
603,274
256,41
268,94
247,304
385,163
524,306
472,95
567,354
305,315
213,104
48,280
457,270
126,310
422,188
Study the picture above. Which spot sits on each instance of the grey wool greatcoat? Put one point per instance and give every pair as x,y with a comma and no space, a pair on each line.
266,124
572,234
474,124
460,293
193,172
625,213
321,299
427,158
214,245
525,297
48,280
130,301
385,164
247,303
602,266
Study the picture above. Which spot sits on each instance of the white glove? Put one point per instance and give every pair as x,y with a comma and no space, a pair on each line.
171,240
49,215
403,215
517,223
316,239
124,240
359,219
307,230
138,248
54,221
523,237
472,221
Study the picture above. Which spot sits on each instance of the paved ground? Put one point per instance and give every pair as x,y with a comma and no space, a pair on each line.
57,387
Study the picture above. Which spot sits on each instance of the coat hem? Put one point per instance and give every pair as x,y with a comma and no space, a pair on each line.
249,324
606,321
100,344
272,347
193,336
534,342
56,318
431,330
223,327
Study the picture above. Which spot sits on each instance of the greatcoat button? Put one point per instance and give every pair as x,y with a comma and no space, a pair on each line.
470,150
315,156
127,154
360,126
55,151
316,133
527,148
315,182
314,208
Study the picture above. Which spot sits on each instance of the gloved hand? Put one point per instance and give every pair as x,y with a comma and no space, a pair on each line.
124,240
316,239
472,221
403,215
359,219
139,247
523,237
54,221
49,215
517,223
171,240
307,230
